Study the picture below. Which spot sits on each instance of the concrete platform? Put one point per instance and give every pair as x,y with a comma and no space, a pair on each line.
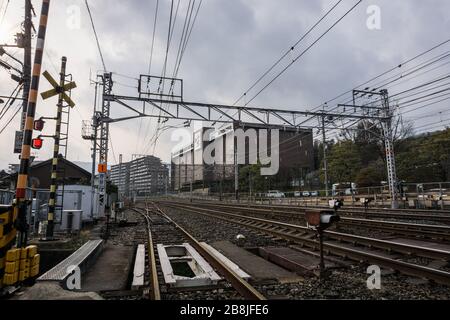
111,270
261,270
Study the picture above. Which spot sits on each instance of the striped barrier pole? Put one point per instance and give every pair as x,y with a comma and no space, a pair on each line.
22,181
54,177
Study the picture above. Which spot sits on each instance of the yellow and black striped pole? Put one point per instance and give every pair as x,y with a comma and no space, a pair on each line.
54,177
22,180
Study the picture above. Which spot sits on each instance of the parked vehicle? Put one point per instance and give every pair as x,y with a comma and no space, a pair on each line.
306,194
344,189
297,194
275,194
314,193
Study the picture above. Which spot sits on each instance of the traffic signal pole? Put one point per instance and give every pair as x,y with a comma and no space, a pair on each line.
22,181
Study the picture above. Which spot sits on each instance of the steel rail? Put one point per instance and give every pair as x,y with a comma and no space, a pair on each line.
239,284
267,226
382,213
415,229
155,293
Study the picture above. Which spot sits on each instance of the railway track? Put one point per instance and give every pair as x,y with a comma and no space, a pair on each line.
170,232
415,230
437,216
384,253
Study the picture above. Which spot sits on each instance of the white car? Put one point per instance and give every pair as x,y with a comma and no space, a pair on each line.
297,194
314,194
306,194
275,194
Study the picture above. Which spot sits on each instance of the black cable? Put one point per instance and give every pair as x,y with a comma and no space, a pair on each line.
153,37
96,36
292,48
183,35
189,35
4,13
387,72
9,122
303,53
10,101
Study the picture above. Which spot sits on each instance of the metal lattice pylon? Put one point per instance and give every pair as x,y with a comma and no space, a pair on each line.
104,139
389,145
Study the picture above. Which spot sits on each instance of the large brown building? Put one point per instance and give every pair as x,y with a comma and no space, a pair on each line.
295,154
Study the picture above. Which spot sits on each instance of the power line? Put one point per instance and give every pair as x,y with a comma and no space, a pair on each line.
10,101
96,36
4,13
189,36
153,37
183,34
303,53
9,122
286,54
399,66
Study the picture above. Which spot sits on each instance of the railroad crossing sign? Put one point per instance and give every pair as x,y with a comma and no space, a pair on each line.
58,89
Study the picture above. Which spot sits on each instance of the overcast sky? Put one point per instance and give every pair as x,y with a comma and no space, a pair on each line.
232,43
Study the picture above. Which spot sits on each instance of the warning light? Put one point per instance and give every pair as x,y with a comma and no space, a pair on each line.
37,143
102,168
39,125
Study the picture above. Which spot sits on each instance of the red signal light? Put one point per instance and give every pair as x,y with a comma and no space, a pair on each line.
39,125
37,143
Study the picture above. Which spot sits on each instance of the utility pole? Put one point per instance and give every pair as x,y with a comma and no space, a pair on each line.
104,140
28,25
325,160
90,133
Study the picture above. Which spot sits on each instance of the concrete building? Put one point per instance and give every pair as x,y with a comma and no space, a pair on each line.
146,176
295,155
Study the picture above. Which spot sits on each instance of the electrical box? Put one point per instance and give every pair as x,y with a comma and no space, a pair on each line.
71,220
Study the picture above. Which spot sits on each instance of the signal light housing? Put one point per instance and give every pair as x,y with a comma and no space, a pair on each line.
37,143
39,125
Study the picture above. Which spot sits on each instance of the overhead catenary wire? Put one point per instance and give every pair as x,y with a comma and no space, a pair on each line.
405,77
96,35
395,78
303,53
4,13
291,49
155,20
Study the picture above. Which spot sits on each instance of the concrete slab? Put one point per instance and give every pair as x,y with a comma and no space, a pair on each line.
230,264
139,268
53,291
292,260
260,269
111,270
